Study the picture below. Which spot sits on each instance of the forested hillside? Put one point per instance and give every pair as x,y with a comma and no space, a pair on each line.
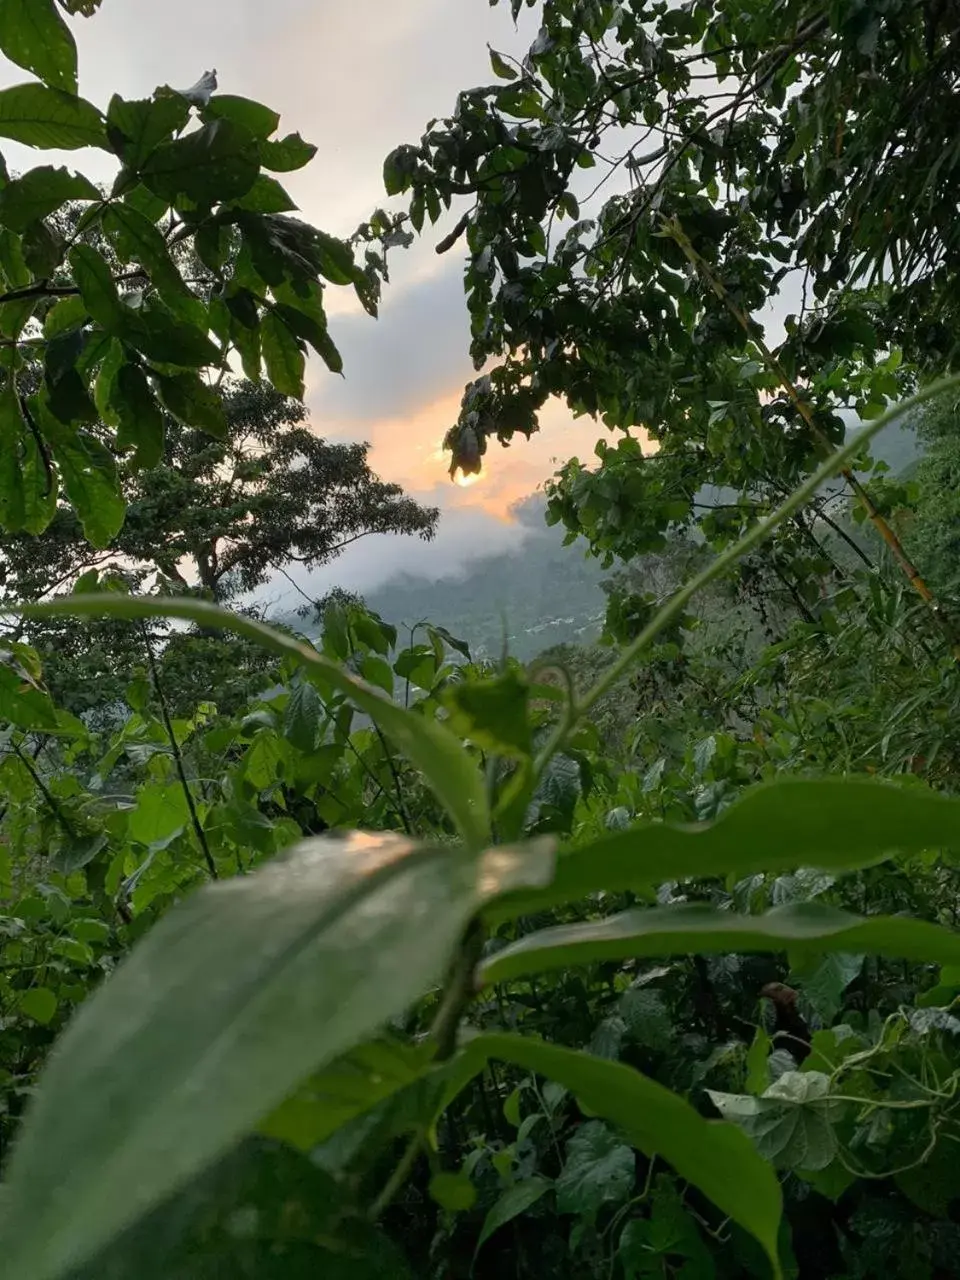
591,914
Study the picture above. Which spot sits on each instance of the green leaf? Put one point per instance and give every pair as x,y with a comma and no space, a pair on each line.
314,330
34,36
265,196
448,769
38,1003
136,128
303,716
286,154
161,810
493,713
49,118
90,479
715,1157
334,259
259,120
193,402
453,1191
350,1087
501,67
138,240
217,162
792,1123
39,192
67,314
514,1201
12,431
163,1069
262,1211
140,422
823,981
282,356
94,279
168,339
828,823
599,1169
758,1076
693,928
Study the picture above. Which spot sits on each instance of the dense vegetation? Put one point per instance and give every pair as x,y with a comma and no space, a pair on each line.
336,947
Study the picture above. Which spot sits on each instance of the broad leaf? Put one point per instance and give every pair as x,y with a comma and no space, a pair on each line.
830,823
140,422
137,128
169,340
34,36
514,1201
694,928
448,769
41,117
352,1086
97,288
89,474
259,120
193,402
286,154
792,1123
12,431
715,1157
215,163
39,192
599,1169
282,356
221,1010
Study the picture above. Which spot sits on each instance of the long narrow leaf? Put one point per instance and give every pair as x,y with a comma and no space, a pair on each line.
697,928
226,1005
833,823
452,776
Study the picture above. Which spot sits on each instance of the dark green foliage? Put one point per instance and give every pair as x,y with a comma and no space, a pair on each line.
368,956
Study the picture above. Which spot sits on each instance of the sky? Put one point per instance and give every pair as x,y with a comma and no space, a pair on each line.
356,80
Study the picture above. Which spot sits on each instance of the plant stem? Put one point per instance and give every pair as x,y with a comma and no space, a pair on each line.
178,757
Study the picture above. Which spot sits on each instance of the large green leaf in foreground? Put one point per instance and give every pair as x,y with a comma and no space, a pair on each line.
833,823
232,999
697,928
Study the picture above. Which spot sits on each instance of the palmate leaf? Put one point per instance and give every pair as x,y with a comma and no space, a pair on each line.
695,928
448,769
217,1015
834,824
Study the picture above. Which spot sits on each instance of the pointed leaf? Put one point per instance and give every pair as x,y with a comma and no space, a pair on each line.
828,823
693,928
282,356
193,402
41,117
34,36
220,1011
39,192
514,1201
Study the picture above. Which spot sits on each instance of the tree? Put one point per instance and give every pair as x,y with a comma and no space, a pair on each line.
222,515
704,158
189,262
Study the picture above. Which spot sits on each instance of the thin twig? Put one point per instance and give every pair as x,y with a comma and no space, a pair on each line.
178,756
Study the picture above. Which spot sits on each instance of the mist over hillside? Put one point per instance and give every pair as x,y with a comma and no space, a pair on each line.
540,592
